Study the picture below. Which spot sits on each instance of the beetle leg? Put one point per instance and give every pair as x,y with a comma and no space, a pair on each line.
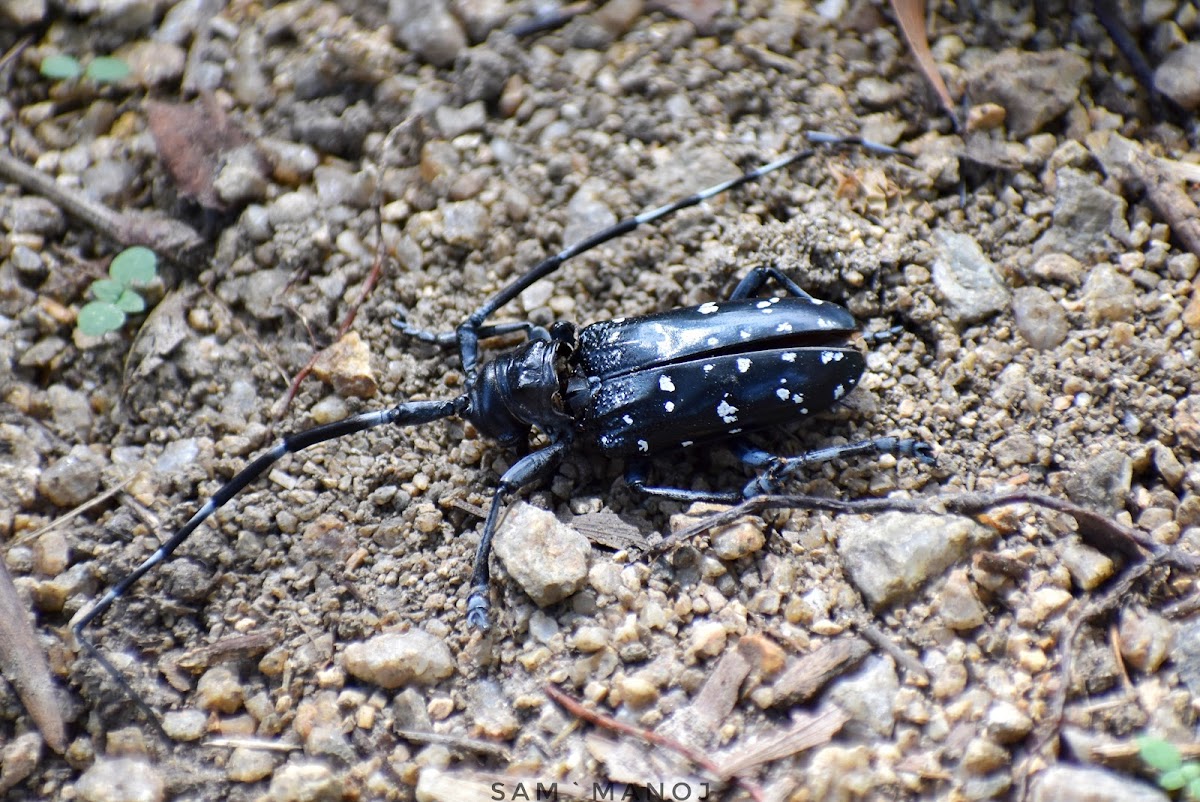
779,468
535,467
757,278
408,413
873,338
635,476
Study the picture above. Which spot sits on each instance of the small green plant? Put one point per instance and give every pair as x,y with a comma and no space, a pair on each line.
1174,774
102,69
115,295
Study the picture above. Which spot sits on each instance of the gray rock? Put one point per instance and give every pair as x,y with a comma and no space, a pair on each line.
968,281
31,215
547,558
1108,296
177,455
42,353
1006,723
243,178
452,121
120,780
869,697
957,605
1178,77
427,28
1087,566
890,556
185,725
71,411
71,480
22,13
1063,783
1102,483
1040,318
1085,217
153,63
1145,639
394,659
305,782
1033,88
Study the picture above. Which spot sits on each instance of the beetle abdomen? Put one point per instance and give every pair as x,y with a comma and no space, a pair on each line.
683,403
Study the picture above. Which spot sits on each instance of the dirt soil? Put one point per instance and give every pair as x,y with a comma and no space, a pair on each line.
1050,321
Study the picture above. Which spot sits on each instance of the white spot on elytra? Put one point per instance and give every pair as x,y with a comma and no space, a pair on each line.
643,446
708,368
713,341
686,443
822,323
831,356
708,308
763,305
617,320
775,300
669,406
665,384
727,412
736,431
628,420
745,334
789,356
783,394
743,365
784,327
838,392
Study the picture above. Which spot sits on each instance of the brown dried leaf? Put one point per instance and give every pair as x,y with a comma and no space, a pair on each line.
192,139
911,16
23,664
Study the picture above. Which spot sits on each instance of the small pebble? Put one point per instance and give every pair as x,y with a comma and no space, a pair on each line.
1178,76
347,366
219,689
71,480
707,639
427,28
18,758
250,765
305,782
395,659
547,558
1007,724
957,604
120,780
1087,566
968,281
1145,639
1039,318
185,725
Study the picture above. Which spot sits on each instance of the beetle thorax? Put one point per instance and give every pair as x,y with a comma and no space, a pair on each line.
521,389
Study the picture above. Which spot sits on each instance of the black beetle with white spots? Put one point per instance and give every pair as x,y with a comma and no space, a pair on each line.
629,387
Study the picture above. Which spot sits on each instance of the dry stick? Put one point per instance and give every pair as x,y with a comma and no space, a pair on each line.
368,287
697,757
1098,530
170,238
454,741
1049,729
82,508
15,50
24,665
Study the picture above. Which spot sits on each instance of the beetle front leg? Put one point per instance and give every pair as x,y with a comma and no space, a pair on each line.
535,467
778,469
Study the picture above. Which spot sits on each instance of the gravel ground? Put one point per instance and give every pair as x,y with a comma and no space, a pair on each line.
1050,322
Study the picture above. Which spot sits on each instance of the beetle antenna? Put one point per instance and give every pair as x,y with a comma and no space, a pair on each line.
404,414
469,333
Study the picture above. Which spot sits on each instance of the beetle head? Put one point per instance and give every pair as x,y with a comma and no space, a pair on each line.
521,389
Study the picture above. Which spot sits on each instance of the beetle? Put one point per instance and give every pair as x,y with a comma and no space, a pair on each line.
629,387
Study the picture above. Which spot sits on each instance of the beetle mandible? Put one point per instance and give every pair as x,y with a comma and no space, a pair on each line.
629,387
